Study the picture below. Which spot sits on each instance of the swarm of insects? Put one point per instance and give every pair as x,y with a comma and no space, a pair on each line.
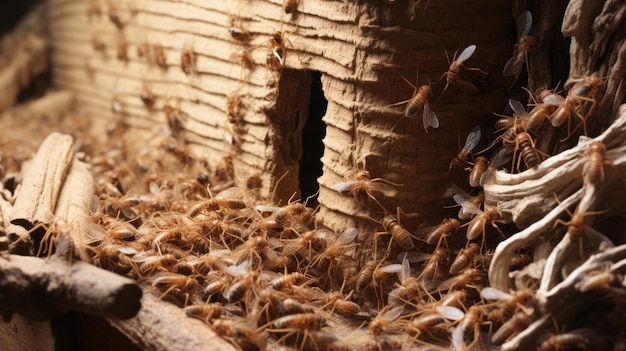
265,275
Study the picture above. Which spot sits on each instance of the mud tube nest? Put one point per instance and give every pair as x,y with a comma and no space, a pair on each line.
541,201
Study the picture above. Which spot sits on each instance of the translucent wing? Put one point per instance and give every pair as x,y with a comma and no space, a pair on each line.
347,236
430,118
490,293
514,66
230,193
413,256
405,272
450,312
466,54
466,206
392,268
266,208
502,157
458,336
393,313
472,140
239,269
517,107
524,23
424,231
466,87
554,100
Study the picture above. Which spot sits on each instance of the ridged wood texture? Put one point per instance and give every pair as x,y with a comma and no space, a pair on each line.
360,47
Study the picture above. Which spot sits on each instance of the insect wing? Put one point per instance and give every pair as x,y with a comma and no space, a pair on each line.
393,313
490,293
501,157
458,336
524,23
466,206
392,268
466,87
466,54
405,272
414,256
554,100
239,269
450,312
517,108
472,140
430,118
347,236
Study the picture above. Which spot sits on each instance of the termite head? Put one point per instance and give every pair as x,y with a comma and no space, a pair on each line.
597,148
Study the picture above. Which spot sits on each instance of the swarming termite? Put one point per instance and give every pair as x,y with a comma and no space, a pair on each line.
420,100
452,74
473,138
524,43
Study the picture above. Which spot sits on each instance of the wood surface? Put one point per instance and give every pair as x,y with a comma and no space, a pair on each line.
361,48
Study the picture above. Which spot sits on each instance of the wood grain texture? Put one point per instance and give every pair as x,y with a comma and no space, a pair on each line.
38,194
360,47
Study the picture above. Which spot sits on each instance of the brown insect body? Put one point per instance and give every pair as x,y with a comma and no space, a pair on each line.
276,51
431,267
593,171
464,258
188,60
290,6
480,166
400,235
511,327
308,321
473,138
477,225
204,312
528,153
525,43
452,75
367,190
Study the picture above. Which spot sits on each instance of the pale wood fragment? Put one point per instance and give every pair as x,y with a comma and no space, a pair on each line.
39,192
76,203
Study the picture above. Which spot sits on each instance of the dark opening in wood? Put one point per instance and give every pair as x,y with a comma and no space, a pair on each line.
312,147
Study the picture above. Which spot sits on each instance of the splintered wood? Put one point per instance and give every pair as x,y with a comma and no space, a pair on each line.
45,203
38,195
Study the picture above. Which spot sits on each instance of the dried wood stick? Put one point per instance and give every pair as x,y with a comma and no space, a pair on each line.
562,302
38,289
501,262
509,192
38,194
76,203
